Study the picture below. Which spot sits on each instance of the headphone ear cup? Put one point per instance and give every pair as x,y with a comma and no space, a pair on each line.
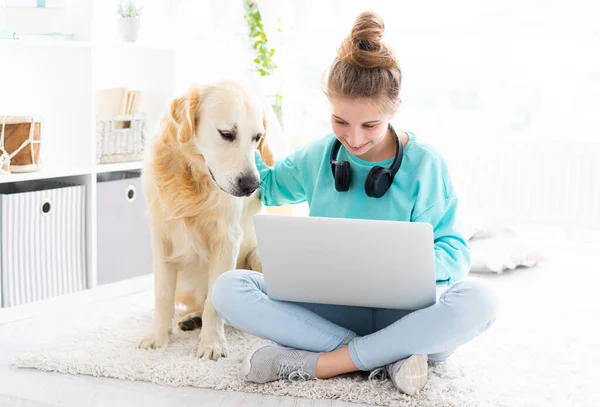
342,176
377,182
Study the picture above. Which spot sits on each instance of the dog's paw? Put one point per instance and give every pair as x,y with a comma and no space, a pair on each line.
154,341
191,321
190,324
212,350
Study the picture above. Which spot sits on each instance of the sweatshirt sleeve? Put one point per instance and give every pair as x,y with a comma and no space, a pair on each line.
437,204
282,184
452,251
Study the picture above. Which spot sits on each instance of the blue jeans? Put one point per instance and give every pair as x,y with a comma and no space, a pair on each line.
376,337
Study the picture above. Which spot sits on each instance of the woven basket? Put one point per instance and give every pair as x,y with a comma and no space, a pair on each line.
120,138
20,142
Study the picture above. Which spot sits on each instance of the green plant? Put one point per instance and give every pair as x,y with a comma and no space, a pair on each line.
263,62
129,9
278,106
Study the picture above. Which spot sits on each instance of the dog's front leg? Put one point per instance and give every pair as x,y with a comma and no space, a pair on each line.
165,281
253,260
213,344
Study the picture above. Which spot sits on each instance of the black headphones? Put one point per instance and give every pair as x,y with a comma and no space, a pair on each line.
378,180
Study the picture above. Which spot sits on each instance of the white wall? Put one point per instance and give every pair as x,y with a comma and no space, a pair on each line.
507,74
212,44
508,91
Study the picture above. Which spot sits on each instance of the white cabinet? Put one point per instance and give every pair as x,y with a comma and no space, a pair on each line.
58,80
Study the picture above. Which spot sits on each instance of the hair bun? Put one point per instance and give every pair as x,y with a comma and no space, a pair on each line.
364,48
368,27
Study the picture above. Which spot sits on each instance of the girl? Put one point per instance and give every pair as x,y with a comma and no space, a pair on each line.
308,341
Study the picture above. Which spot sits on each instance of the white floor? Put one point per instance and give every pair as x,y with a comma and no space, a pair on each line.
573,272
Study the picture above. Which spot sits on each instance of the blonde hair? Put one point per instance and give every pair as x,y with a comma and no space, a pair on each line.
365,67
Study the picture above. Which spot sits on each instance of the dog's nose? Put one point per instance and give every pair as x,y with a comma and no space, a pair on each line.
247,184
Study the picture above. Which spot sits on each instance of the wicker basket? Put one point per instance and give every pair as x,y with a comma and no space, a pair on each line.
120,138
20,142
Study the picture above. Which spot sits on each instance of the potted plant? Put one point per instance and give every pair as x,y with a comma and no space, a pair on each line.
129,20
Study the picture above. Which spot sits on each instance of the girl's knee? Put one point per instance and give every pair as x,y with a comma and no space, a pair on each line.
478,297
227,286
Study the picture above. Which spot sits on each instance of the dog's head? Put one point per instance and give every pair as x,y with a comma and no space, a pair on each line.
219,128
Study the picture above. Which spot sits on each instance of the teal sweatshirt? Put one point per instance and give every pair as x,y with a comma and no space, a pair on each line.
421,192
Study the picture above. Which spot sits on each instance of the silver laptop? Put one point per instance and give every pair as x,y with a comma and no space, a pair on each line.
369,263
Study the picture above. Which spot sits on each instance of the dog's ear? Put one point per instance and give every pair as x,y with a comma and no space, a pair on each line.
183,114
264,149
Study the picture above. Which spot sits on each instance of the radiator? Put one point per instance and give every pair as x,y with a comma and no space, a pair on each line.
532,182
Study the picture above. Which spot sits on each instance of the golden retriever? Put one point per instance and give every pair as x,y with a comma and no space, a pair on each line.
199,179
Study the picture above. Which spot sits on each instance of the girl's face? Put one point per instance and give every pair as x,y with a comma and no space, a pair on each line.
361,126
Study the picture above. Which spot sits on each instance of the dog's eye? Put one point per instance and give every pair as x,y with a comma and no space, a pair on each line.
258,137
227,135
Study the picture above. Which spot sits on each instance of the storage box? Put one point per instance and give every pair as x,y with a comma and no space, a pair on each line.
124,245
121,138
42,240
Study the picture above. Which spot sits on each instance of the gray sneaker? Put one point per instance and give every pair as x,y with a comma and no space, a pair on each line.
268,361
378,374
409,375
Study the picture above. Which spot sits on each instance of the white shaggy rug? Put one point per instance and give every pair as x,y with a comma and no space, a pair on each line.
532,358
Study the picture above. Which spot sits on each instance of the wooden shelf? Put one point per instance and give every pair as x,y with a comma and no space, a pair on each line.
45,43
47,173
126,166
44,173
101,45
131,46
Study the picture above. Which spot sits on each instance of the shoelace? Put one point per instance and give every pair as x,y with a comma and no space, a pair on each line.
292,372
378,374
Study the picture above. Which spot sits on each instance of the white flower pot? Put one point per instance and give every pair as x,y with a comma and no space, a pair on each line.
129,28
